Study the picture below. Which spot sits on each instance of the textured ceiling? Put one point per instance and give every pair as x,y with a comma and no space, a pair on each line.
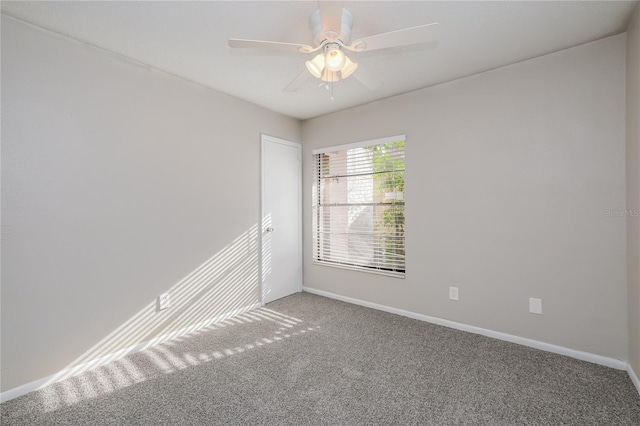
189,39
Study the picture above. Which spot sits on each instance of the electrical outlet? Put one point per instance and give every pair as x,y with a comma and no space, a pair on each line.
453,293
163,301
535,306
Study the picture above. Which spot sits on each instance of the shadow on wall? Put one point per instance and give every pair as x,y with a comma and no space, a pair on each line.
224,287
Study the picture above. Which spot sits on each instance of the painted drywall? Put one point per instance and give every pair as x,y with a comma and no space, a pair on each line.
510,175
633,189
118,183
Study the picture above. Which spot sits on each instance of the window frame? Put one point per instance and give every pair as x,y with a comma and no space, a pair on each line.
316,229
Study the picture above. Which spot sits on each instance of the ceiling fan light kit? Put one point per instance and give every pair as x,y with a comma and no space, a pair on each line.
333,60
331,27
348,68
329,76
316,65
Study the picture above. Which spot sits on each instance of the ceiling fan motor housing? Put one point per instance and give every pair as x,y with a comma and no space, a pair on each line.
315,22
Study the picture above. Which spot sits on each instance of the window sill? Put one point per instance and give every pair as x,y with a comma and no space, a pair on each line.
361,269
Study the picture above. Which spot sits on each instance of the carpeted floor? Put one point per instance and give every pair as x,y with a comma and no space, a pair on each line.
306,359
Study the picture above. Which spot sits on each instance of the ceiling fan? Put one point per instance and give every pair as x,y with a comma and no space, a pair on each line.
331,26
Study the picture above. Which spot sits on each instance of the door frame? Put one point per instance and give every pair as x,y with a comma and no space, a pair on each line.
264,139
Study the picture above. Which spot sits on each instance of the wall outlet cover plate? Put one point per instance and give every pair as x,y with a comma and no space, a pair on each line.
535,306
453,293
163,301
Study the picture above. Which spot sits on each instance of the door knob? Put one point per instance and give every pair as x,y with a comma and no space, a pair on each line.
269,229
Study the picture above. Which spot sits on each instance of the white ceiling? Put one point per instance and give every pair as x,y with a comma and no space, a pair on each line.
189,39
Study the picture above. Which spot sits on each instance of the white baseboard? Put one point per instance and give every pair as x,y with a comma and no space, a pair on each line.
634,378
584,356
98,362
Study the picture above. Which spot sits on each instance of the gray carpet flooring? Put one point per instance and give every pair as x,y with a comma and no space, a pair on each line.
306,359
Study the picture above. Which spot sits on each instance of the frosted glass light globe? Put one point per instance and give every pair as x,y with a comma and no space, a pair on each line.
335,59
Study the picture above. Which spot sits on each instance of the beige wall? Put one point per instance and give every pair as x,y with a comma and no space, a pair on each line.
112,194
510,175
118,182
633,189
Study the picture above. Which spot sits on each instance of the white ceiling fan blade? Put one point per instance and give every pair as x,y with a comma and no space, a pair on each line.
423,34
331,15
300,80
271,45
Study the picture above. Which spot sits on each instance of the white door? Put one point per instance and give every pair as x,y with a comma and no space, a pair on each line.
281,218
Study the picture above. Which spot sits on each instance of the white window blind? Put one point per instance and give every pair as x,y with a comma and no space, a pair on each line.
358,206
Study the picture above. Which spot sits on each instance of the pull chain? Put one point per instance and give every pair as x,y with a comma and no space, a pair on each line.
326,86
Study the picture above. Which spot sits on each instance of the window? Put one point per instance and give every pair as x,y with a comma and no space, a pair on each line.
358,206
